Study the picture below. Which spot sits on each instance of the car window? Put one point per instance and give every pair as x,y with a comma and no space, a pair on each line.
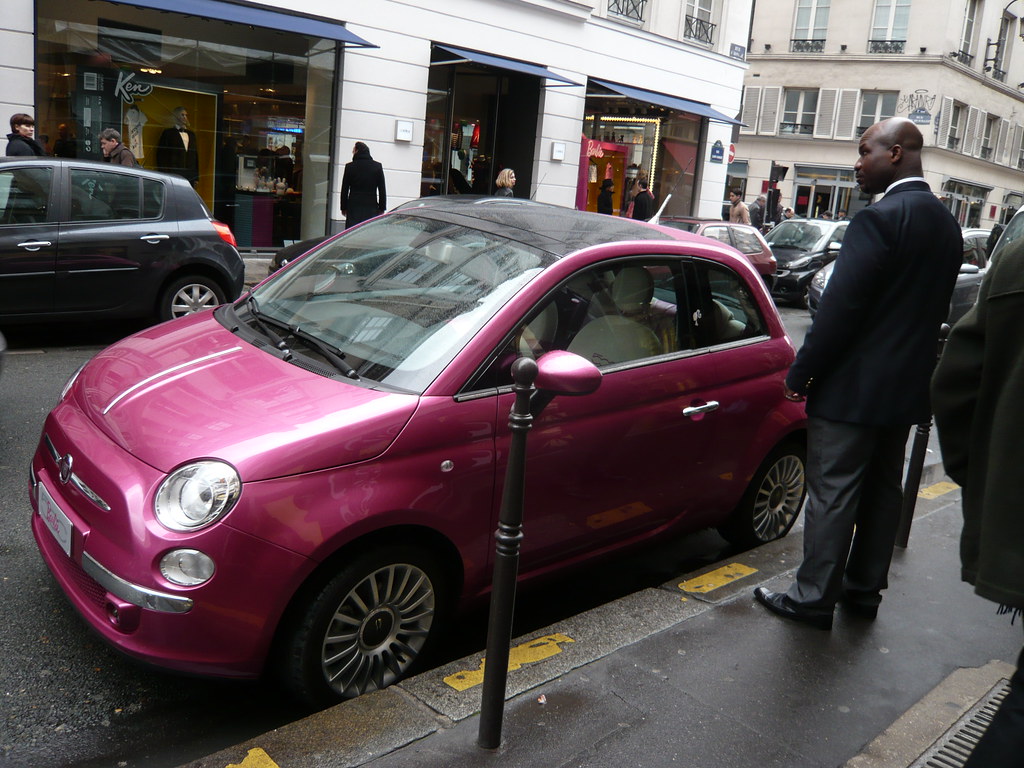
837,236
24,195
718,233
746,241
101,195
152,198
796,234
727,310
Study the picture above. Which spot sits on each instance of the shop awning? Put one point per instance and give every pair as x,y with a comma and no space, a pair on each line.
463,56
255,17
669,102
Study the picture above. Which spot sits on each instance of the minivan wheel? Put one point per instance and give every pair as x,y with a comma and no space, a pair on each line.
773,499
366,628
189,294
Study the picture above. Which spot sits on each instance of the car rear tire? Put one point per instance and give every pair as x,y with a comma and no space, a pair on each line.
365,628
189,294
773,499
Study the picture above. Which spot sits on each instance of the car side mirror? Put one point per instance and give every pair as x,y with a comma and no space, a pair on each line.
969,269
562,373
834,246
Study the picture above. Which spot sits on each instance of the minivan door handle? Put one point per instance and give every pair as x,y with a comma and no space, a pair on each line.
35,245
155,238
697,410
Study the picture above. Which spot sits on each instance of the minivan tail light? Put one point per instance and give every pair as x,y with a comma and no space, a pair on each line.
225,232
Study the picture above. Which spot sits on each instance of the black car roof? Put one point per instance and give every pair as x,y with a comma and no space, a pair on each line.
551,228
89,162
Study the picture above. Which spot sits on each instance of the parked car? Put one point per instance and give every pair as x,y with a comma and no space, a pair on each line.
80,239
1013,231
743,237
802,247
307,481
968,282
293,251
3,350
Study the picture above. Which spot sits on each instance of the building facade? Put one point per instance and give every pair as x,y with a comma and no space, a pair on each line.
445,94
822,71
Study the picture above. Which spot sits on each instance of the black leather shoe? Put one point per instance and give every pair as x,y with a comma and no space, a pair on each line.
780,604
861,610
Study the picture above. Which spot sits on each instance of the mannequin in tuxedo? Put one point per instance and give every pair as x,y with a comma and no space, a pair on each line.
176,152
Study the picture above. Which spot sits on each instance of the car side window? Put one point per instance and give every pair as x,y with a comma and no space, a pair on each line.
152,198
727,310
837,236
25,195
102,196
746,241
717,233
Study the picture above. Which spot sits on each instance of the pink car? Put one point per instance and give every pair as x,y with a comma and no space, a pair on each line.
307,482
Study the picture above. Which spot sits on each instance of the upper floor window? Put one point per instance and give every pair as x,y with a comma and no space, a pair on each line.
967,39
811,19
988,136
955,126
889,26
798,111
995,53
699,26
630,9
876,106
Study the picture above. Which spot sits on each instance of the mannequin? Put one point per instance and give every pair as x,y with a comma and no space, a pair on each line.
176,152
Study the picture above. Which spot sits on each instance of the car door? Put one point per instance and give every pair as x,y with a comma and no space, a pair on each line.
642,451
113,237
28,239
968,281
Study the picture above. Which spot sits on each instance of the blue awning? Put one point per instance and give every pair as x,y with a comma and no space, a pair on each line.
255,17
669,102
500,62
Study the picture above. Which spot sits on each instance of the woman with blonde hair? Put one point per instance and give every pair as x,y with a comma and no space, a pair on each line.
505,181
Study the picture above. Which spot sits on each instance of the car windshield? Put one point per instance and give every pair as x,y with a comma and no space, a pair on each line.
796,234
1013,232
686,226
400,296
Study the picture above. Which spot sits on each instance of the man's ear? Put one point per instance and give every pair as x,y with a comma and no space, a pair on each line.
895,153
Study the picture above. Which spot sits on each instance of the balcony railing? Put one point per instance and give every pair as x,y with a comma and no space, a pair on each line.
1020,163
998,74
796,128
986,153
952,142
630,9
963,57
807,46
699,30
886,46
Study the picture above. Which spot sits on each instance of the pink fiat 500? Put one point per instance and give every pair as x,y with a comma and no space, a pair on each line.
307,481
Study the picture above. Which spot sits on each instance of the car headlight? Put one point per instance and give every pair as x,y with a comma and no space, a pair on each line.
820,279
803,261
71,381
186,567
197,495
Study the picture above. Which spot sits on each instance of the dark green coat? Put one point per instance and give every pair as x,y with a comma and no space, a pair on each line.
978,398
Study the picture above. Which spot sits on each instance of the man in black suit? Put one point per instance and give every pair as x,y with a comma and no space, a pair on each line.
176,151
363,193
864,370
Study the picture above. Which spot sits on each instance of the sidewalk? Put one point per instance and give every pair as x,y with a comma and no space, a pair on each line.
694,673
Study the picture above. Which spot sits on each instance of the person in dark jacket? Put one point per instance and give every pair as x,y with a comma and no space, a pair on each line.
21,140
363,195
979,415
605,201
504,183
643,203
113,150
864,370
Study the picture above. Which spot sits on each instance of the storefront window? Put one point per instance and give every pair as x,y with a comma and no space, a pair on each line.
965,201
823,189
255,104
625,141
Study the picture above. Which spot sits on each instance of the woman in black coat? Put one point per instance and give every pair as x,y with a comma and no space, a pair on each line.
362,187
21,141
604,198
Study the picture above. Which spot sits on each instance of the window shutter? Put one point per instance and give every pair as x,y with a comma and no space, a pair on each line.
751,108
942,135
975,118
999,155
846,114
824,125
1013,148
770,98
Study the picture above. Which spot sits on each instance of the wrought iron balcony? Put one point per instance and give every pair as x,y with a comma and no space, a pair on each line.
699,30
952,142
998,74
963,57
1020,163
630,9
886,46
986,153
807,46
802,128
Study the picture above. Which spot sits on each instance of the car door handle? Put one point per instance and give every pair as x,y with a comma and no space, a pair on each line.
155,238
696,410
35,245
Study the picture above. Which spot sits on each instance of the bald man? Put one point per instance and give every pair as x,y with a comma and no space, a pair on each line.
864,371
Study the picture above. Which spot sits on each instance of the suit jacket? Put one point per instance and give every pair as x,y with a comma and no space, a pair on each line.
172,157
363,195
869,356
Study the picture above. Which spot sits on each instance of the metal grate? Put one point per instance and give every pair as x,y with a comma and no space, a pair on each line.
953,748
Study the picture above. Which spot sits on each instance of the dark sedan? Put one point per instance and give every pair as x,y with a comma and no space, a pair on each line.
80,239
801,248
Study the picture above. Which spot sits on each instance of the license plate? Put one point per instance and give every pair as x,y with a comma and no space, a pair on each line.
55,519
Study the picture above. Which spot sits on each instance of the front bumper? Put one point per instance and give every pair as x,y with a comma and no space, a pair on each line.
791,285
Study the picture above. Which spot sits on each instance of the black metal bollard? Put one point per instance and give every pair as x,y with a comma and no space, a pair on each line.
918,450
506,563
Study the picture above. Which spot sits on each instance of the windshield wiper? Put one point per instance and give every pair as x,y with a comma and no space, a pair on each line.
263,323
333,355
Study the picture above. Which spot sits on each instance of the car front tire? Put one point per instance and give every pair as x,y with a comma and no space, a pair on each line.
773,499
186,295
365,628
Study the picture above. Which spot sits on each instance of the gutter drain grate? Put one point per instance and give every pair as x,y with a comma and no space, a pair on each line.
952,749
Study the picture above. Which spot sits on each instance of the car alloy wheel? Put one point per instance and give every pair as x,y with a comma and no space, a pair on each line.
188,295
773,499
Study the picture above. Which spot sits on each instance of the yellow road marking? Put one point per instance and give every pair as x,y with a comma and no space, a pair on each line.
256,758
717,578
529,652
934,491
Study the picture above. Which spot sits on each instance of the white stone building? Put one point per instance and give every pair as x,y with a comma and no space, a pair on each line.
821,71
444,92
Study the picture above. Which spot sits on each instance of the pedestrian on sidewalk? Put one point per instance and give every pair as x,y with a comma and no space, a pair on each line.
864,370
738,213
113,150
643,203
504,183
21,141
363,194
979,415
